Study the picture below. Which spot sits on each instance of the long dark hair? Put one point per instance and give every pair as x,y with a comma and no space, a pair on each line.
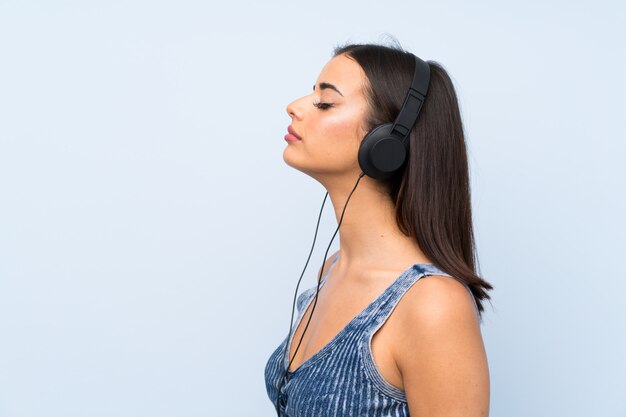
432,193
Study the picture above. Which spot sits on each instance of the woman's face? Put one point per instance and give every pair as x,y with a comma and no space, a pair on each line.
330,121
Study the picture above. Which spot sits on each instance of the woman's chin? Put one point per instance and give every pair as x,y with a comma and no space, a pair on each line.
292,158
296,162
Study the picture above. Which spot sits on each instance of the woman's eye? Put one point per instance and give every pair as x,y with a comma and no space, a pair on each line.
323,106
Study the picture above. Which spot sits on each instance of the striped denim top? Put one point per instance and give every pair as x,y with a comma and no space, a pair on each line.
341,379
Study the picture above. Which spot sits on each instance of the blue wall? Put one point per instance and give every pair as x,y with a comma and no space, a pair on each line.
151,235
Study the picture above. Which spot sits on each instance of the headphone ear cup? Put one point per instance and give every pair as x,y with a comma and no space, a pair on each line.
381,154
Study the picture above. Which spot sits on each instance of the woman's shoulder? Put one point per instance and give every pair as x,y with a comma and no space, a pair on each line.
434,298
435,308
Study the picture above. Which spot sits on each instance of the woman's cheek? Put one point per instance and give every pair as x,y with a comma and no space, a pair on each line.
340,129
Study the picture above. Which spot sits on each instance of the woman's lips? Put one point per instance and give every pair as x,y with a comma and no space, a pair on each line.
292,136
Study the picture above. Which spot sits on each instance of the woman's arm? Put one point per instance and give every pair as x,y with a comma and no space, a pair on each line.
441,354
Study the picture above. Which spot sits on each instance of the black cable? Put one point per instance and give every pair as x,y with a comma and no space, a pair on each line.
280,382
292,310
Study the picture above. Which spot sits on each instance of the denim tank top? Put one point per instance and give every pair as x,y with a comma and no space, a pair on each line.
342,379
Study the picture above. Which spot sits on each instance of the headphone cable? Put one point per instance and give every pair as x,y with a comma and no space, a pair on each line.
287,345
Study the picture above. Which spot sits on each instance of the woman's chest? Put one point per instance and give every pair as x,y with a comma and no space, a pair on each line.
338,307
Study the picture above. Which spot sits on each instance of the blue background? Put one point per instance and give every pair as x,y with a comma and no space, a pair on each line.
151,236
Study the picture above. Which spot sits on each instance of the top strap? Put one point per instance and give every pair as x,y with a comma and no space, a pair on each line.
396,291
303,298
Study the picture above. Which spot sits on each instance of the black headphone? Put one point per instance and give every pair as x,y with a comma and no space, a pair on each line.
381,154
383,150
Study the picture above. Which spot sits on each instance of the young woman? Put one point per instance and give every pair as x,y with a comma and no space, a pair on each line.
393,327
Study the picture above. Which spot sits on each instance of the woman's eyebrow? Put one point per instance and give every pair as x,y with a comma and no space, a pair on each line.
323,86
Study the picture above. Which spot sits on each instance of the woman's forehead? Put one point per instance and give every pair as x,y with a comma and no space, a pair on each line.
344,74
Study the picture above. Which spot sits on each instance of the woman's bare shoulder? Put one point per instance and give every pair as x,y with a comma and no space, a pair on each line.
436,298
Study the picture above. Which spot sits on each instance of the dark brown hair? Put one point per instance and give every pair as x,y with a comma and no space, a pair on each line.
432,192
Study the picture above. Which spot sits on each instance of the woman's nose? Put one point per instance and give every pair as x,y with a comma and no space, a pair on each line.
293,110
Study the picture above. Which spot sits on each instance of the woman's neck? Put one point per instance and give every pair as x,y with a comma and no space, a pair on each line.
369,235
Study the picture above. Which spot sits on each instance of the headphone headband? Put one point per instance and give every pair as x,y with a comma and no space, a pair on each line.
413,101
